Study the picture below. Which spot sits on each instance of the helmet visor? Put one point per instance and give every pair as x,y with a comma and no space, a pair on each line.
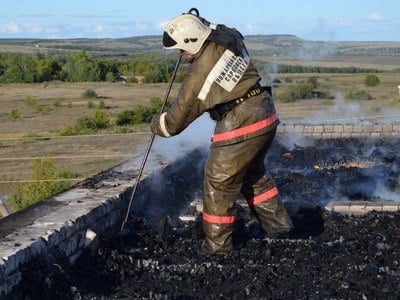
168,41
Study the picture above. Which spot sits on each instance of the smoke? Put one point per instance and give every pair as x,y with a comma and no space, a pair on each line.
386,193
196,135
293,140
312,51
354,112
340,112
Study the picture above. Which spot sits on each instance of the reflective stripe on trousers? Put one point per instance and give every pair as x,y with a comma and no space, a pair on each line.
266,196
218,219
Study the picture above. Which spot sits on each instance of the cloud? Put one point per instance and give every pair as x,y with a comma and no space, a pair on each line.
338,22
378,17
93,16
98,28
42,15
28,28
161,25
141,26
253,27
33,28
10,28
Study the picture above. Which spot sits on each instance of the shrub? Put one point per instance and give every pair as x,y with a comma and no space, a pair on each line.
43,109
85,124
371,80
313,80
125,117
91,104
322,94
110,77
15,113
30,101
57,103
296,92
46,181
361,95
139,113
100,119
89,93
68,130
102,104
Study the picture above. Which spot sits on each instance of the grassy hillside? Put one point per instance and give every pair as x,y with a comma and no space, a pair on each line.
30,131
265,47
281,45
35,132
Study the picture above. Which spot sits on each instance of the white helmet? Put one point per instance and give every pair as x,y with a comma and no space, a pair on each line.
186,32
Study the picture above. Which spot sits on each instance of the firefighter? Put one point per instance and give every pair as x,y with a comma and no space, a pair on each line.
220,79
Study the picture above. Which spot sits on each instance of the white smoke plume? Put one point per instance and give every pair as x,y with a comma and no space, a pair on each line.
385,193
196,135
340,112
293,140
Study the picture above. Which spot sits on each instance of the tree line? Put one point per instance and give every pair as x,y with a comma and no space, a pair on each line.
82,67
282,68
151,68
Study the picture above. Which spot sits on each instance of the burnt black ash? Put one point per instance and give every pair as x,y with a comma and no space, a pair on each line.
328,255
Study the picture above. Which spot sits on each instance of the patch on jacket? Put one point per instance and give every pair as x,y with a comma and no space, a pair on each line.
227,72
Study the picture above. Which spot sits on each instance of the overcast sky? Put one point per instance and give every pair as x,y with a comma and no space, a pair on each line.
323,20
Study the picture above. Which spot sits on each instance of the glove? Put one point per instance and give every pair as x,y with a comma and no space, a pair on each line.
154,124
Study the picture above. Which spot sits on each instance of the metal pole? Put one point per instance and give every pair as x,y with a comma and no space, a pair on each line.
147,152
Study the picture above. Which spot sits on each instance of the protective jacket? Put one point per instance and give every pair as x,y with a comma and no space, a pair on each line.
216,75
221,72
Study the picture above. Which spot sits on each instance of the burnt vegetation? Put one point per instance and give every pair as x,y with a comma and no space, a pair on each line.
327,255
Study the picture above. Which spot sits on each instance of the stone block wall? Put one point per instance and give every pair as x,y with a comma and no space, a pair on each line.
332,131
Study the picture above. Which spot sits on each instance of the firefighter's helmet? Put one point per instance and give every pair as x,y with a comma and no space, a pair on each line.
186,32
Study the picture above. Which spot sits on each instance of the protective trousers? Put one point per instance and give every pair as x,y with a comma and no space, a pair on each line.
234,169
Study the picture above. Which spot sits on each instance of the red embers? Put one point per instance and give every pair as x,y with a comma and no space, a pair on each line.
219,137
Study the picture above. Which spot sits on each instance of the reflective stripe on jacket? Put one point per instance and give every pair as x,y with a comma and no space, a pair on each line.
246,130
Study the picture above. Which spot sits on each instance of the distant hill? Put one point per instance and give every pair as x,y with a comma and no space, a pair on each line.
258,45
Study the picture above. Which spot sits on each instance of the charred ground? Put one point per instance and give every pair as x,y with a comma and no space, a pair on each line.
328,255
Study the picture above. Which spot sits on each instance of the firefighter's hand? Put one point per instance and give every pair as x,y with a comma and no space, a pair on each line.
155,121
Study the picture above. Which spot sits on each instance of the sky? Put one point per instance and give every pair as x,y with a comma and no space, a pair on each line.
318,20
